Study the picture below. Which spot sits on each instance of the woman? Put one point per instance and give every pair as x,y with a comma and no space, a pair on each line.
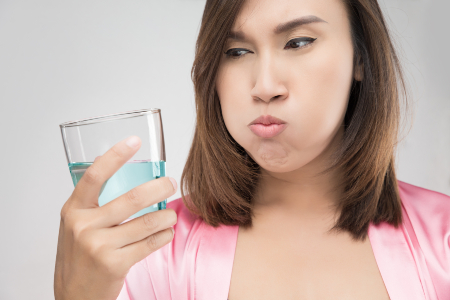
290,183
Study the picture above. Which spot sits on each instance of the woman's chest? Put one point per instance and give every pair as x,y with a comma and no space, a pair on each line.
272,266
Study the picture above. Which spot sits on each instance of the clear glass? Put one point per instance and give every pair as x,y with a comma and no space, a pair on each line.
86,139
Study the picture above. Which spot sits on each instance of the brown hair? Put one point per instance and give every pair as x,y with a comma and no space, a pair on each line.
220,178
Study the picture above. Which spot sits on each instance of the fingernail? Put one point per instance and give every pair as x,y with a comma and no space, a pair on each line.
173,231
174,183
96,158
132,141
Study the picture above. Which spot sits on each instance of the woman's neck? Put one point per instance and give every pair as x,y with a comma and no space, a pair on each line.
301,192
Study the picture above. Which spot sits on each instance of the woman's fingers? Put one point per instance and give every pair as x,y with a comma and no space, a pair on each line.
142,227
136,252
138,198
86,192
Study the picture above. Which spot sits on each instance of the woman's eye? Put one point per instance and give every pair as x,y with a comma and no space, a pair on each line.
297,43
300,42
233,53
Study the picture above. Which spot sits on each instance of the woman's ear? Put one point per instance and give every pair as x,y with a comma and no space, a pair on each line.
359,70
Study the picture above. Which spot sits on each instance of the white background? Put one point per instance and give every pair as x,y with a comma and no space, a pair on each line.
67,60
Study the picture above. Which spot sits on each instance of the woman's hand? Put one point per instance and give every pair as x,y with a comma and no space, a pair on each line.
94,252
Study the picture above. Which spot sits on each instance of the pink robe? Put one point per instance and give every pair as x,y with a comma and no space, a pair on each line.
414,260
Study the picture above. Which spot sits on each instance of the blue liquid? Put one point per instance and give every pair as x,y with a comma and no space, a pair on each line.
129,176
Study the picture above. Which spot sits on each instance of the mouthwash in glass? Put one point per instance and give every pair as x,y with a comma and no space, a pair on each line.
129,176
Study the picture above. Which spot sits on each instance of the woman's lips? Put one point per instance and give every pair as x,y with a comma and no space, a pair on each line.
267,131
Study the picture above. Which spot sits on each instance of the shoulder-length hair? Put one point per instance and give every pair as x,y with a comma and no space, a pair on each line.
219,178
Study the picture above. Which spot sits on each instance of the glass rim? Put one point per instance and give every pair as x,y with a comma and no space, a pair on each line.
110,117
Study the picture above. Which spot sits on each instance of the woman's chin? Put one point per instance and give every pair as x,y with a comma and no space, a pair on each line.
272,157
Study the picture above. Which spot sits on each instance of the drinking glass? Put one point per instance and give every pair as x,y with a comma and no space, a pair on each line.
86,139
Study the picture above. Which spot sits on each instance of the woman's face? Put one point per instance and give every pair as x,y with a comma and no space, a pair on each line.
287,75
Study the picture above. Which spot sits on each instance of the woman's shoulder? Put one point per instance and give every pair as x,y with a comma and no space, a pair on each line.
426,229
183,212
166,273
188,230
425,207
199,257
414,257
189,227
426,215
416,192
192,229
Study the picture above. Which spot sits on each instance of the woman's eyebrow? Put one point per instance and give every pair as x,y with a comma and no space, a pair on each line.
296,23
281,28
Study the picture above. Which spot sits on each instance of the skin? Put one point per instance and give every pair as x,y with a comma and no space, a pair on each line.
95,251
289,251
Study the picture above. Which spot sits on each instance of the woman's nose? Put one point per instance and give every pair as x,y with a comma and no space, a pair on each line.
268,84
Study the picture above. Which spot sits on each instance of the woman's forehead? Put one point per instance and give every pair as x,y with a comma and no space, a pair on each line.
274,14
